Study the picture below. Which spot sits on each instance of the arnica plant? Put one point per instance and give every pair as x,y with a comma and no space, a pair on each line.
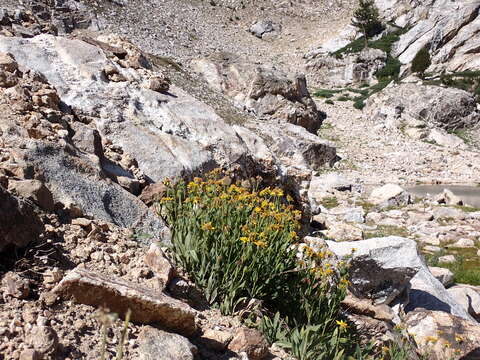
237,244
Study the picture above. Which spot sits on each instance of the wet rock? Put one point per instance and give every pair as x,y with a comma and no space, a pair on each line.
445,276
33,190
381,267
389,195
147,307
251,342
440,335
157,344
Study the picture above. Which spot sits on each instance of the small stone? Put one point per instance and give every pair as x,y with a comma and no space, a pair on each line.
43,339
447,259
7,62
216,339
52,276
251,342
445,276
33,190
29,354
158,84
155,344
16,286
160,265
82,222
153,193
464,243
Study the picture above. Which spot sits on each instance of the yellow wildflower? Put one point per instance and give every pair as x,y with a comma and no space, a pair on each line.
277,192
244,239
289,198
447,344
385,349
265,192
432,339
257,209
166,199
260,243
293,234
342,324
208,226
458,338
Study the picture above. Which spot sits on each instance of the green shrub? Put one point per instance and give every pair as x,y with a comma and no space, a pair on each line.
391,70
238,244
421,61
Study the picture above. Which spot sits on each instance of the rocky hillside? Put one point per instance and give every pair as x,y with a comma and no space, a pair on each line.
108,106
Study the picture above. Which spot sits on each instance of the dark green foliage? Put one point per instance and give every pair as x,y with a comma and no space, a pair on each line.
325,93
390,70
421,61
385,43
367,19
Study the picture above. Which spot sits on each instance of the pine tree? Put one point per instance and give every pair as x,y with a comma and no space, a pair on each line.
367,19
421,62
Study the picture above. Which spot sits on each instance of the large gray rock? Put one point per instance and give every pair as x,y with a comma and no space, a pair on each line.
384,267
381,268
389,195
265,91
170,134
450,29
435,106
351,69
74,178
